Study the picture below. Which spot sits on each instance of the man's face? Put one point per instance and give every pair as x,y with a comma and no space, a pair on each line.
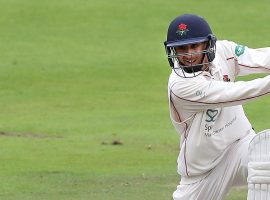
190,59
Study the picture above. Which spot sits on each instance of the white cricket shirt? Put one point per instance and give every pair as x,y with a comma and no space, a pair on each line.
207,110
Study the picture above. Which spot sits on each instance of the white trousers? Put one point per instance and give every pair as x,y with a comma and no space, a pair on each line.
231,171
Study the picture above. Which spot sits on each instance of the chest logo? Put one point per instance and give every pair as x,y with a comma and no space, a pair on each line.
211,115
226,78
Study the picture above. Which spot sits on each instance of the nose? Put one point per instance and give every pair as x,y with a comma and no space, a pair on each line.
190,50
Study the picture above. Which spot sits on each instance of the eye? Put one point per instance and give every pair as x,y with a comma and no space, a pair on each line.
180,48
194,46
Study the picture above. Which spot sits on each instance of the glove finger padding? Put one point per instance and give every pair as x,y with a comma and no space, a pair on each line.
259,167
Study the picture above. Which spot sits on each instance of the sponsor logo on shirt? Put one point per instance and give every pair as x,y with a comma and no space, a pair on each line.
239,50
210,130
211,115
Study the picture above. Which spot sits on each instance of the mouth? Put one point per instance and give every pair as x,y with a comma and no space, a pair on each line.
190,62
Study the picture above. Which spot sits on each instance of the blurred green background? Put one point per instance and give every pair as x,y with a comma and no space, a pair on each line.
83,94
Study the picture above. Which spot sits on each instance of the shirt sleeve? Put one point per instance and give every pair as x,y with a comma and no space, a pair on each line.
202,94
251,61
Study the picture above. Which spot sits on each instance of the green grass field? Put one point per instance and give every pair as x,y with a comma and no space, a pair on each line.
83,97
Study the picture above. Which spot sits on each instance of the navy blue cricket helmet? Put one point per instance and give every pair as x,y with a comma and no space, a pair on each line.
189,29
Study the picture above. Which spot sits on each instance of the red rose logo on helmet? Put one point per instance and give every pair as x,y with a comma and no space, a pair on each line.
182,29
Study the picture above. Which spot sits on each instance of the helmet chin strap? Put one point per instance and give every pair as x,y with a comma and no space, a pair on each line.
193,69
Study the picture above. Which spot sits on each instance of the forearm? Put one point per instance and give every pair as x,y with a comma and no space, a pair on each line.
213,94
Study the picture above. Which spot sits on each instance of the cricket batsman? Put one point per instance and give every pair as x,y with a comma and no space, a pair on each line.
219,148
